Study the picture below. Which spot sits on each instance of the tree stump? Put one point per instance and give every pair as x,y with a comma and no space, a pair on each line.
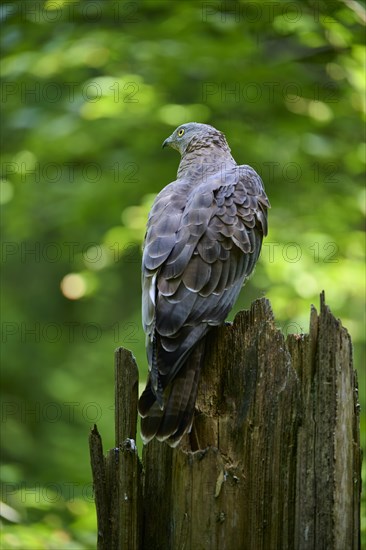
273,461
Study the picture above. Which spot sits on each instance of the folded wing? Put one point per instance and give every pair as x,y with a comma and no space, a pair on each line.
202,243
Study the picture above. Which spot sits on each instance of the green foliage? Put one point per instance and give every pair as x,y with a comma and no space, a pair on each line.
51,523
90,91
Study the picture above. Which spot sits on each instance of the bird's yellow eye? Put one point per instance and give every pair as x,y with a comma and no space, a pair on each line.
180,132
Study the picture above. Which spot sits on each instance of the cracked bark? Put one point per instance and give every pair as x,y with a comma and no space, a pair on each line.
279,459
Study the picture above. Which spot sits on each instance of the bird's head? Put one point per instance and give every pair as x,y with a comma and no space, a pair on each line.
202,135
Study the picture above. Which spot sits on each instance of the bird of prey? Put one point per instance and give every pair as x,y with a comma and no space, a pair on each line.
203,239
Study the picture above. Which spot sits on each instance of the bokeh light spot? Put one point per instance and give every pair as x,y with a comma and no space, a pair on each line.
73,286
6,191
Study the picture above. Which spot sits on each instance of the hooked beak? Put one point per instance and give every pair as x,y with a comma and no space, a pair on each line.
167,142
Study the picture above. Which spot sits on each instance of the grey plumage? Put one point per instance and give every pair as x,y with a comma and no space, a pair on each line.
203,239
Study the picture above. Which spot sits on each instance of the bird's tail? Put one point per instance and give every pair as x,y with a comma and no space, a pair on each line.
175,418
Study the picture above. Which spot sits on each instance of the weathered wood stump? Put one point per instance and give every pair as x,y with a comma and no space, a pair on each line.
273,461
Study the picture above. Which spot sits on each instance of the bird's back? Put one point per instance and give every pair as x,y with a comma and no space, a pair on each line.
203,239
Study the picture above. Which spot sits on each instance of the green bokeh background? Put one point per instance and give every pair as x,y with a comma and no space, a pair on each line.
89,92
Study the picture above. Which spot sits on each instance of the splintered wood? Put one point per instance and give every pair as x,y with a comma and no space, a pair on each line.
273,460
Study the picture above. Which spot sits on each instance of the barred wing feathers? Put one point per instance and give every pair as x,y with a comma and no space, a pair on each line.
202,243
